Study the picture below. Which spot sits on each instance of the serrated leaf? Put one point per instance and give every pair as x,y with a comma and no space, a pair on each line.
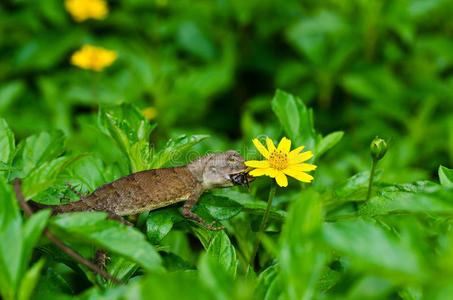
35,150
417,198
130,131
174,148
223,251
43,176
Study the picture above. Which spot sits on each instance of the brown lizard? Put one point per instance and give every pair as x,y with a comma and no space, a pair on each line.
153,189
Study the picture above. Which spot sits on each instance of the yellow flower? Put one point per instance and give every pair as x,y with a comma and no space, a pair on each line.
149,112
281,162
82,10
93,58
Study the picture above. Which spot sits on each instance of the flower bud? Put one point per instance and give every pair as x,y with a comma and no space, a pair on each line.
378,148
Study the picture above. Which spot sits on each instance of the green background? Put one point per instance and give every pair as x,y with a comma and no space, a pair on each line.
350,71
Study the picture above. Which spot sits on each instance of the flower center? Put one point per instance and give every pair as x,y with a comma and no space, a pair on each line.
278,160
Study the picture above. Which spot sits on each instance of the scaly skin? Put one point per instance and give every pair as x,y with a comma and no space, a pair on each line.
152,189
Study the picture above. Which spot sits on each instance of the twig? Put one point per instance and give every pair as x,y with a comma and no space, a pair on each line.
65,248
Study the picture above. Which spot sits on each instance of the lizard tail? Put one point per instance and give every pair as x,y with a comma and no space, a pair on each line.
58,208
35,206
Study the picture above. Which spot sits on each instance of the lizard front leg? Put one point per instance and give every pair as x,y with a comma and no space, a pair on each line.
187,211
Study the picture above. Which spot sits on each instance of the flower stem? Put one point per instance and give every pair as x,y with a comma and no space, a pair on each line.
263,222
370,184
94,87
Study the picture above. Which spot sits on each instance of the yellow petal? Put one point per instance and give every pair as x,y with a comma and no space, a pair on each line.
302,167
281,179
284,145
301,176
270,145
300,157
257,163
272,172
297,150
259,172
261,148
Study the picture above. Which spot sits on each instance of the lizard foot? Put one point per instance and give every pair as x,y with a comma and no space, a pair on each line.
66,198
190,215
211,226
73,189
100,259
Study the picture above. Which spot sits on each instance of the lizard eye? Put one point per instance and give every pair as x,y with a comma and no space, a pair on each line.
213,169
233,159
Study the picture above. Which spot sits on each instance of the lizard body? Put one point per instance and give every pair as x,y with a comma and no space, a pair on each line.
153,189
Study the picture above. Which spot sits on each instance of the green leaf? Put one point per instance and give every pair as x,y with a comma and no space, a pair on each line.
417,198
31,232
36,150
446,176
174,148
249,203
52,284
373,249
43,176
295,118
130,131
9,92
10,241
214,276
30,280
6,167
89,172
121,268
269,283
355,183
160,222
91,227
193,40
221,208
7,145
302,256
223,251
328,142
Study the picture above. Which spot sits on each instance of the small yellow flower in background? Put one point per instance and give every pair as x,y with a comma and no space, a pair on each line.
93,58
149,112
281,162
82,10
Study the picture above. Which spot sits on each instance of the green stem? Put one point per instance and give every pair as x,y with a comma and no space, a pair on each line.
263,222
370,184
94,87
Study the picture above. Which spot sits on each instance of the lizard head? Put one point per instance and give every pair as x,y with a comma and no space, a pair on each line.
220,170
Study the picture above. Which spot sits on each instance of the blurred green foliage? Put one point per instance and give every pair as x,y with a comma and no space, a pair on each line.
215,72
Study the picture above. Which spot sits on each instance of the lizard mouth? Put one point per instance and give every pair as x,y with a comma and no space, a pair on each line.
241,178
